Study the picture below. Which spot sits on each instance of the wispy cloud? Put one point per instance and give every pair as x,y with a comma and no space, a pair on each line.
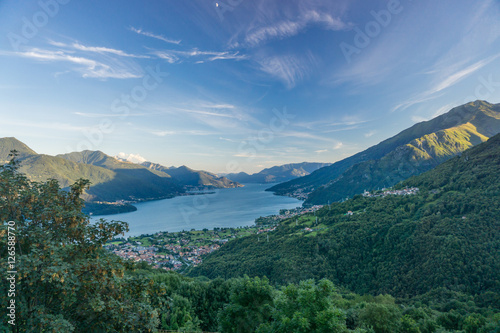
338,145
305,135
288,68
181,132
445,79
173,56
88,67
96,49
289,28
217,106
370,133
156,36
208,113
107,115
99,49
169,57
460,75
418,119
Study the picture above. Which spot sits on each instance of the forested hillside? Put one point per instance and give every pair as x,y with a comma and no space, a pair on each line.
67,282
446,236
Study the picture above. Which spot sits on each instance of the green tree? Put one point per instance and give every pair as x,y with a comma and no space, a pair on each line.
473,323
66,282
383,318
251,301
306,307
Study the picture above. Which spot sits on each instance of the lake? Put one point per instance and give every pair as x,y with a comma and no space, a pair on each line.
232,207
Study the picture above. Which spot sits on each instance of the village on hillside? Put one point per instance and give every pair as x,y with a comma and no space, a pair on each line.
180,250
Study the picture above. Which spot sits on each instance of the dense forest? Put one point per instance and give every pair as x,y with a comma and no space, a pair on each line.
415,264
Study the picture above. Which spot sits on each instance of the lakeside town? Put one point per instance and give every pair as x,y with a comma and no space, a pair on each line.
181,250
178,250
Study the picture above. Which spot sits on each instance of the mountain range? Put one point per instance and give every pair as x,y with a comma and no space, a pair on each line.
443,237
277,174
113,182
191,178
411,152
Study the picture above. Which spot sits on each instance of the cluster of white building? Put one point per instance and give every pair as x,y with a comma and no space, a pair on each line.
385,192
181,255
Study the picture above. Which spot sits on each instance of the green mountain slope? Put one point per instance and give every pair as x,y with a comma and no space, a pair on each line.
131,181
446,236
44,167
483,116
39,167
418,156
111,180
9,144
193,178
277,174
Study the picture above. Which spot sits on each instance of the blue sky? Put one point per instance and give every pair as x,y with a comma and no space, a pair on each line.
238,85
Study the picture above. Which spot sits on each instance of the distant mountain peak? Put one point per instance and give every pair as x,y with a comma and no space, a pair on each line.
11,143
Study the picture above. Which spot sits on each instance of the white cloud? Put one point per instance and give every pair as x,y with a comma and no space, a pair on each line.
458,76
96,49
442,110
173,56
370,133
88,67
162,133
418,119
134,158
288,68
99,49
321,151
289,28
218,106
170,58
446,81
152,35
338,145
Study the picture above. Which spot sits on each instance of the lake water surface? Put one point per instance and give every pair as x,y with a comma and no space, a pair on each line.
232,207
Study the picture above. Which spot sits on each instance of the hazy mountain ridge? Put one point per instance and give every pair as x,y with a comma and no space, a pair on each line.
425,145
279,173
193,178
